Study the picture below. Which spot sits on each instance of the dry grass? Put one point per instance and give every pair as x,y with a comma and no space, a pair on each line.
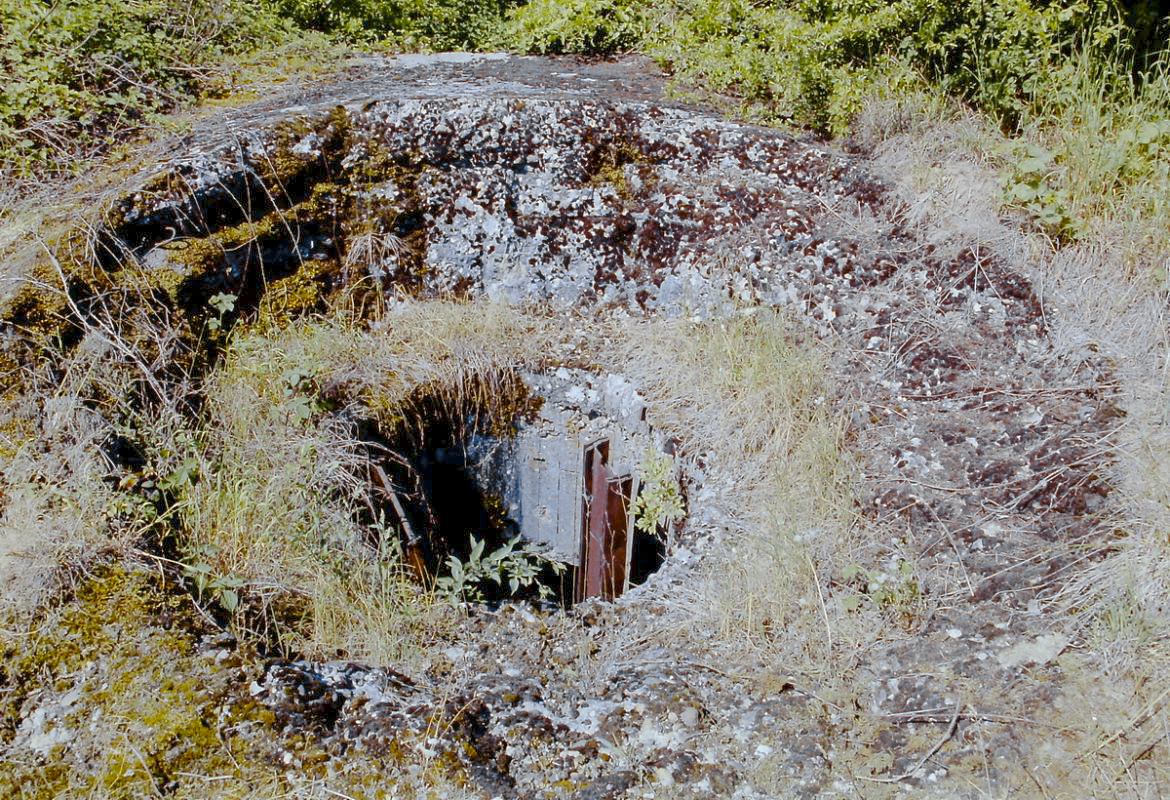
751,403
1105,735
283,480
280,482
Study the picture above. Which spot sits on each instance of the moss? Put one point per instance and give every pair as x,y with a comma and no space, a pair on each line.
151,713
291,297
607,163
288,176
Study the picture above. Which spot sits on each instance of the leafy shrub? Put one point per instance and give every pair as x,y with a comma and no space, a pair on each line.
659,501
518,568
894,589
591,27
1094,158
805,59
411,24
1031,189
80,70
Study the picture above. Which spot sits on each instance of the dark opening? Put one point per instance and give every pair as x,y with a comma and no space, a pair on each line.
456,481
649,553
448,440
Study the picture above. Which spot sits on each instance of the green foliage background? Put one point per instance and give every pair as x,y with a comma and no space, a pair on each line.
407,24
80,71
811,61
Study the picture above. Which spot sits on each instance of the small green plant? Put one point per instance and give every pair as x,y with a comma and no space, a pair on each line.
223,304
893,590
222,589
142,502
1032,191
301,394
182,476
518,569
659,500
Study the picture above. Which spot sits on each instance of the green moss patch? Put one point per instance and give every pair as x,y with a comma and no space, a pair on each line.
119,691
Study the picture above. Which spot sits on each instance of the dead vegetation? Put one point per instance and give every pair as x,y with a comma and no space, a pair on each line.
1105,736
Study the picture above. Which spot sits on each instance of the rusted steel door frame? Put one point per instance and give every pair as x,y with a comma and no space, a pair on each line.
595,469
619,545
605,522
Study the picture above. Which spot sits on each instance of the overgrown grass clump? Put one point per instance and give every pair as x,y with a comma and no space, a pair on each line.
274,507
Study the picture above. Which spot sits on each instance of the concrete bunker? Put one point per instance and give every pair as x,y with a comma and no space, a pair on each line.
554,459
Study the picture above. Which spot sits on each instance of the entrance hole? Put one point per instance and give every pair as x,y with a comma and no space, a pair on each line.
474,465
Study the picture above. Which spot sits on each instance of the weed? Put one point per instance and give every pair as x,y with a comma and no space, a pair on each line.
1105,139
222,304
517,568
658,499
894,590
1031,191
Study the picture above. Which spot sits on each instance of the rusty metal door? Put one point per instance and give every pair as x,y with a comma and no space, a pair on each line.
605,522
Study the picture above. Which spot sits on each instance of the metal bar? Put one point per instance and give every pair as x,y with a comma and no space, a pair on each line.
413,545
618,535
594,475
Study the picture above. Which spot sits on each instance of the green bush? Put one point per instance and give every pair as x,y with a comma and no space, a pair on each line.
591,27
810,60
80,70
409,24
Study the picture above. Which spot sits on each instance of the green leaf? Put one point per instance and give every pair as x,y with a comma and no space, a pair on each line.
222,303
1022,193
182,476
1033,165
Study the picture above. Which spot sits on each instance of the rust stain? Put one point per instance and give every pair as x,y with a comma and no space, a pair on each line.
605,548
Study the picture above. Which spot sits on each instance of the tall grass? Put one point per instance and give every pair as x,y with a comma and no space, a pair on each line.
1099,146
745,397
278,507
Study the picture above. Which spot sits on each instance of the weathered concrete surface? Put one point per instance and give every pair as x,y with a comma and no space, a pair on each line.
537,473
581,195
580,188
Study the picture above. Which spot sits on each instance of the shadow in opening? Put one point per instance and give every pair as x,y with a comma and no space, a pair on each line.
459,477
